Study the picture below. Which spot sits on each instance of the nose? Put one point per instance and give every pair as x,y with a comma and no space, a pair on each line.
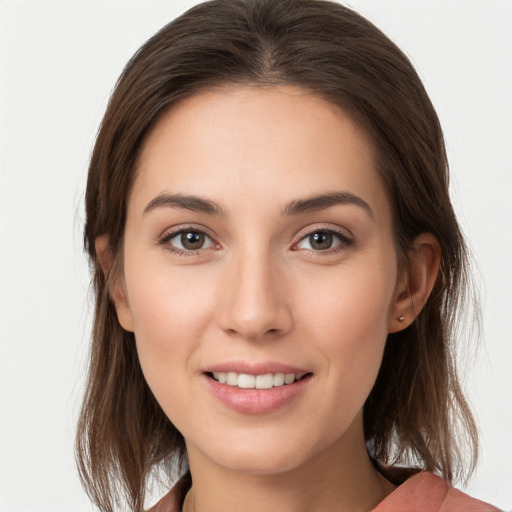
253,298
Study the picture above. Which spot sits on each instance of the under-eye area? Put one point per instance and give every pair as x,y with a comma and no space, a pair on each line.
266,381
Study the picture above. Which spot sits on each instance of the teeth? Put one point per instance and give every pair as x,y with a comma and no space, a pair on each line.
220,376
265,381
278,379
289,378
245,381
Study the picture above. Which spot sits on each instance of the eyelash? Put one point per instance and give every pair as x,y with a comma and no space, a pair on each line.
345,241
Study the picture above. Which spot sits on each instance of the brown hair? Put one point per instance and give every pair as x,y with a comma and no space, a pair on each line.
416,413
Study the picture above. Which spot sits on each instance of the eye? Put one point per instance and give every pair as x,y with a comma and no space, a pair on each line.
187,240
323,240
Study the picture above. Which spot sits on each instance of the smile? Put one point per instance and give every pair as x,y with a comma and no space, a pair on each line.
246,381
258,393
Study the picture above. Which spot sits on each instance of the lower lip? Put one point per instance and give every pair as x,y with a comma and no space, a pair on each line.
256,401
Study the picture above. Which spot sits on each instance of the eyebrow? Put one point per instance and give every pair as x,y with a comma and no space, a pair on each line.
193,203
323,201
295,207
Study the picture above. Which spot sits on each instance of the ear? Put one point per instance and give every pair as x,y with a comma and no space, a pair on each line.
416,283
115,282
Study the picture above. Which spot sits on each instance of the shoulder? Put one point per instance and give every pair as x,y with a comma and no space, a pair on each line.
169,503
426,492
173,500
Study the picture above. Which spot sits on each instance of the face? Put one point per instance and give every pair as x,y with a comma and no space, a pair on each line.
259,248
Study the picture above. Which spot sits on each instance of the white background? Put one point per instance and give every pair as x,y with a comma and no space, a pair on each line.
59,62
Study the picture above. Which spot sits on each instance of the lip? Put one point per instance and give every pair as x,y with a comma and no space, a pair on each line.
254,368
256,401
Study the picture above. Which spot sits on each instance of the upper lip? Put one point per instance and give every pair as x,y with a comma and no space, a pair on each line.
261,368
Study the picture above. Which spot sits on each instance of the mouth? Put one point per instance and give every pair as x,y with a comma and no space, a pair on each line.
260,392
257,387
264,381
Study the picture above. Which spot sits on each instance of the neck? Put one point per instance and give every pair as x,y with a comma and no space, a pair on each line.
341,477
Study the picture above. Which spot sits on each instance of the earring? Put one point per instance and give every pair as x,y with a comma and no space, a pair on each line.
401,318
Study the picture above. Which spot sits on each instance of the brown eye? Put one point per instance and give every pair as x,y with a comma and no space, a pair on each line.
188,240
323,240
192,240
320,241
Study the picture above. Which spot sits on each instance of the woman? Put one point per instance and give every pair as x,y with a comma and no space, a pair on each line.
278,272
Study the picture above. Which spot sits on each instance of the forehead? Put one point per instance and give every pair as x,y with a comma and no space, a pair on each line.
276,143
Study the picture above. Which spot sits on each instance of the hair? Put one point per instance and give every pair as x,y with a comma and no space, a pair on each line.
416,413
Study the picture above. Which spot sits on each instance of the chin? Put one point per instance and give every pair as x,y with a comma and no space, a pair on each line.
262,464
259,458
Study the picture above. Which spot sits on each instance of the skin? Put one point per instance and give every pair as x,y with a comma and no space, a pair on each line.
259,291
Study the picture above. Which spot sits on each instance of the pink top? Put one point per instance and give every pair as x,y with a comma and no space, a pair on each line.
423,492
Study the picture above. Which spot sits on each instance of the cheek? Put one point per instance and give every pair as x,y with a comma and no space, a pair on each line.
351,301
350,315
170,311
